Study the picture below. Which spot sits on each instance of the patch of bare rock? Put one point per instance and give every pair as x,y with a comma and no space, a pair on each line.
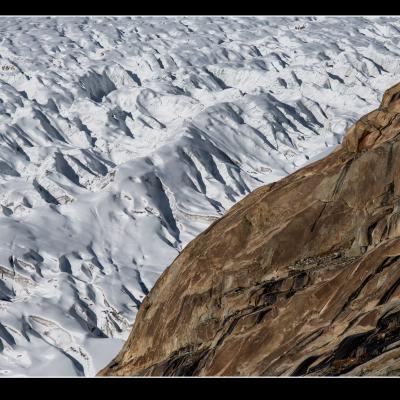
301,277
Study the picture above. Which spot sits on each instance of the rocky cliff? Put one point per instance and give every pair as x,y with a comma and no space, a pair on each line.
301,277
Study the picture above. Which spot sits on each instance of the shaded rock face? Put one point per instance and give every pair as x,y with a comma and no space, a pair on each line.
301,277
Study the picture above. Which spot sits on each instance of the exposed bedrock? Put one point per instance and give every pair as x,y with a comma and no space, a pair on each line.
301,277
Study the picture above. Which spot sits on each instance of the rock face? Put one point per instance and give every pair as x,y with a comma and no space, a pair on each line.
301,277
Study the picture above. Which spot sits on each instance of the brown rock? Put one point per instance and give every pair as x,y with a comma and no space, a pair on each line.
301,277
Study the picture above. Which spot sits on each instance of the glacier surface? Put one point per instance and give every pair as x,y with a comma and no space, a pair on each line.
122,138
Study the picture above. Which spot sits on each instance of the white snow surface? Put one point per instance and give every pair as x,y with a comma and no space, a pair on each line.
122,138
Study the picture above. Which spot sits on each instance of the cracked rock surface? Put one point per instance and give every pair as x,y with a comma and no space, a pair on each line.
301,277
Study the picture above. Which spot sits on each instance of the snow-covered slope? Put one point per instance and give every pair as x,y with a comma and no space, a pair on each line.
123,138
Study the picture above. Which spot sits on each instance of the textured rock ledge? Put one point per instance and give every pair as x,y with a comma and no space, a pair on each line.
301,277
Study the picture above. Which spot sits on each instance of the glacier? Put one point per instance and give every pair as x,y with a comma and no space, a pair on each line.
122,138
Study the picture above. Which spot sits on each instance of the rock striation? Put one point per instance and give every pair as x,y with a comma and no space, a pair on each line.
301,277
